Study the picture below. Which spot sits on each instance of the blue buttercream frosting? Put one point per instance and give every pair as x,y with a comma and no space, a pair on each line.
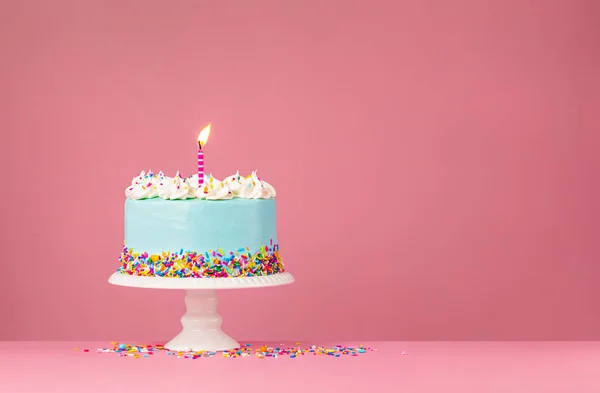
157,225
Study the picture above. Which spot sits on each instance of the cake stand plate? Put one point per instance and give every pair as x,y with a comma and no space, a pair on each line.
201,283
201,321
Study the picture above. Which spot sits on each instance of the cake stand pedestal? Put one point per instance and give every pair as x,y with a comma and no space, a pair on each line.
201,321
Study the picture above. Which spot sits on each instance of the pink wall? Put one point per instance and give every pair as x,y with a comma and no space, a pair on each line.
436,164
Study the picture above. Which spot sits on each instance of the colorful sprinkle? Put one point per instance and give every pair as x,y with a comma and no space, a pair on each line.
264,351
211,264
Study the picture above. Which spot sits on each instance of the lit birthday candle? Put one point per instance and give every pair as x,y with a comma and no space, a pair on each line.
202,139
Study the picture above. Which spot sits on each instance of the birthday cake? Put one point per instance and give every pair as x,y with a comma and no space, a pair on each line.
178,227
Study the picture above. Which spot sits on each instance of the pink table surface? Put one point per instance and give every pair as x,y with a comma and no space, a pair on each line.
427,367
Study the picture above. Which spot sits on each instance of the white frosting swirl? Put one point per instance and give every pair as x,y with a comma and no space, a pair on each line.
234,182
213,189
254,188
155,179
139,179
149,185
174,188
192,183
142,187
143,191
268,190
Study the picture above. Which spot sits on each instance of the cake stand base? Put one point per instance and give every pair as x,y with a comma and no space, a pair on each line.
201,321
201,325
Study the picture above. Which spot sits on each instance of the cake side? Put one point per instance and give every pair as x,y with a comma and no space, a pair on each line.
158,225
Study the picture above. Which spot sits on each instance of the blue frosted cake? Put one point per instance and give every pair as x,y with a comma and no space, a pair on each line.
222,229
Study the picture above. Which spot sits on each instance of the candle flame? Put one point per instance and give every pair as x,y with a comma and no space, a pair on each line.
203,136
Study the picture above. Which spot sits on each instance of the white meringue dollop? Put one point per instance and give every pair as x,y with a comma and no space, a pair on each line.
213,189
142,187
254,188
192,183
174,188
150,185
268,190
234,182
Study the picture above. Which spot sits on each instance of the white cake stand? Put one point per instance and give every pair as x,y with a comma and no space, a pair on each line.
201,321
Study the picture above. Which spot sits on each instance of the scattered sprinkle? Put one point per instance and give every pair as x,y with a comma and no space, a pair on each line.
264,351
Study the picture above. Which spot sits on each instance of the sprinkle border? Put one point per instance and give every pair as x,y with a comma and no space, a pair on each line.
211,264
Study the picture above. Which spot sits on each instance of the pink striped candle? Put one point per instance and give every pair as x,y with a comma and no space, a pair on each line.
200,167
202,139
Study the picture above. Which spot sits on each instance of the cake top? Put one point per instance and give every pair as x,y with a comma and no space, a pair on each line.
149,185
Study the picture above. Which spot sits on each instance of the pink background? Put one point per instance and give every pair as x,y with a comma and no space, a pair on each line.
436,162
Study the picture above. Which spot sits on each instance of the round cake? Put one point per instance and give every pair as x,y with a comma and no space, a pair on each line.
178,228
